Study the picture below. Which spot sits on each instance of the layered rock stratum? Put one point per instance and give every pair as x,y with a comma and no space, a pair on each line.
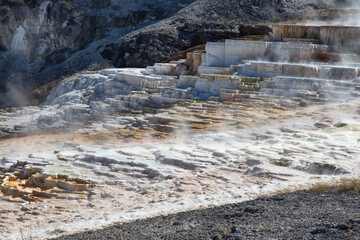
42,41
242,117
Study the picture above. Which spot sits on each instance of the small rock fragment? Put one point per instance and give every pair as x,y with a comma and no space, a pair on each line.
340,125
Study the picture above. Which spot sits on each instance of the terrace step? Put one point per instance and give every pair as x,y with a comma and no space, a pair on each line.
233,96
321,82
177,93
290,92
308,84
301,40
243,79
214,70
233,52
337,57
273,69
345,38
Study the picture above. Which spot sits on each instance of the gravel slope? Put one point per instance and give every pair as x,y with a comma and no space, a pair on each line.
289,216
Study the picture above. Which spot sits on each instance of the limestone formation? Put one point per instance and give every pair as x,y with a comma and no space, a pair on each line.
233,70
42,41
30,183
243,117
295,61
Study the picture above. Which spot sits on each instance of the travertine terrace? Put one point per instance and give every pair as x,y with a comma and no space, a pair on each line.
241,118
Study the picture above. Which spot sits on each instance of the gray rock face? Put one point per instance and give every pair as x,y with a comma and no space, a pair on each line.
42,40
38,27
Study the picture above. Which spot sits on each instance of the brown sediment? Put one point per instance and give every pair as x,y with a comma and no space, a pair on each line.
29,183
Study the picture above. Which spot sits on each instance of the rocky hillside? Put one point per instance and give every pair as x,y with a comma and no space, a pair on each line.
41,41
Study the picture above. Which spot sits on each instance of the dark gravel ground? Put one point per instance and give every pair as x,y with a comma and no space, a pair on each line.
298,215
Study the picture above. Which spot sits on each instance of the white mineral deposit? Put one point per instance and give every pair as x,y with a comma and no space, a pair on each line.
119,144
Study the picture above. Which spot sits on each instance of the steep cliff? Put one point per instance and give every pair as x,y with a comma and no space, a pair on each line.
37,27
41,41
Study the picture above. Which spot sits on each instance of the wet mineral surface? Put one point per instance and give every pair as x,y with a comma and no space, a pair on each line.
117,145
